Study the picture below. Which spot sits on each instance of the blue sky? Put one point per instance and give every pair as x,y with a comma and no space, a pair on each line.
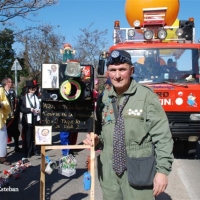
73,15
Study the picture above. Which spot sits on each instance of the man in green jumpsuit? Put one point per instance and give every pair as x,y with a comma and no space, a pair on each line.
145,123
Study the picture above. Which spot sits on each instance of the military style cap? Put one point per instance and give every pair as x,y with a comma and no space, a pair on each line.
119,57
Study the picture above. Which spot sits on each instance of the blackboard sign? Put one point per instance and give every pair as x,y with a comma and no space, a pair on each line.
76,116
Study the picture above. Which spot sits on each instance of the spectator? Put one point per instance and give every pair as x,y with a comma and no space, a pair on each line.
5,110
68,138
108,84
30,107
12,122
23,133
95,93
96,89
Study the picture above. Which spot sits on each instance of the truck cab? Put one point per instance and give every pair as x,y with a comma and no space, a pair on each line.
166,59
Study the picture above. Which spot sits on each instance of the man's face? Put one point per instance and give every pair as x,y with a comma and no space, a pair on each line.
148,65
96,86
9,83
32,90
120,76
170,64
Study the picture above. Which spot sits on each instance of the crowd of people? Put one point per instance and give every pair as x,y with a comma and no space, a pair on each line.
11,107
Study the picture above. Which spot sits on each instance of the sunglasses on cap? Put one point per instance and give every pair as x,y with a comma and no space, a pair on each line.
119,57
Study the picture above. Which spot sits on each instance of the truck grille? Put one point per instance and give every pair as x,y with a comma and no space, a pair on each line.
181,126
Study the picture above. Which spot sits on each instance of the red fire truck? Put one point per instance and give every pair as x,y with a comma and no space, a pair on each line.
158,37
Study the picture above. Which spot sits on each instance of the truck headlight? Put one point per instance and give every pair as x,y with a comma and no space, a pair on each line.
131,32
148,34
136,23
162,34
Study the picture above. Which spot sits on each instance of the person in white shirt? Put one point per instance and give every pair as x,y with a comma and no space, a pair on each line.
30,107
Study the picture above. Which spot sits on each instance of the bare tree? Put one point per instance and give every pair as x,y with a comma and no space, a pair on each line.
89,45
41,46
22,8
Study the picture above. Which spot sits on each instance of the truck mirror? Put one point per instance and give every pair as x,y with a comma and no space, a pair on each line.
101,67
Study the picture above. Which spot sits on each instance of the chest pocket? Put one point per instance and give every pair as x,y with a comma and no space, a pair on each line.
136,124
134,127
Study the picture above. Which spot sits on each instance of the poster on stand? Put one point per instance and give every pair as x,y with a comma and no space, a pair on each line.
43,135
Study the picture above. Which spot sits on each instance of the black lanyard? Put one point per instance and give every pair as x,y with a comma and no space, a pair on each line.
31,102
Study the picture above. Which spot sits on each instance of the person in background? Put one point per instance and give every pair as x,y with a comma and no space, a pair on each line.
171,65
151,71
108,84
23,92
12,122
5,110
139,128
38,94
95,92
170,62
68,138
30,108
96,89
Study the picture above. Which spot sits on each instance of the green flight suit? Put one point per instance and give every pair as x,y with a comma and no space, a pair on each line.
145,123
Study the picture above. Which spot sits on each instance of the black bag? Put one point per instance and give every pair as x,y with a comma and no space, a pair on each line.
141,171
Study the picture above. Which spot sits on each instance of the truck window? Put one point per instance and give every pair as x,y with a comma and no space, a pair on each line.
173,65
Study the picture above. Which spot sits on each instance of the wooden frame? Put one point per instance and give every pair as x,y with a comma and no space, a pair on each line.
92,164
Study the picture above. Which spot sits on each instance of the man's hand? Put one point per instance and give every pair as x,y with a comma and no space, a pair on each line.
88,140
160,183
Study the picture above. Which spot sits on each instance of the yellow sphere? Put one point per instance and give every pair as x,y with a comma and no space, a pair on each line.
134,10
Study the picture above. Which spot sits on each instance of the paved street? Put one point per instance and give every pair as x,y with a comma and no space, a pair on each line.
183,181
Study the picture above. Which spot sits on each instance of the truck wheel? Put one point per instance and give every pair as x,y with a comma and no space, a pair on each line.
198,150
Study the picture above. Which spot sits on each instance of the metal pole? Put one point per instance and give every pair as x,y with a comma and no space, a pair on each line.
15,77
